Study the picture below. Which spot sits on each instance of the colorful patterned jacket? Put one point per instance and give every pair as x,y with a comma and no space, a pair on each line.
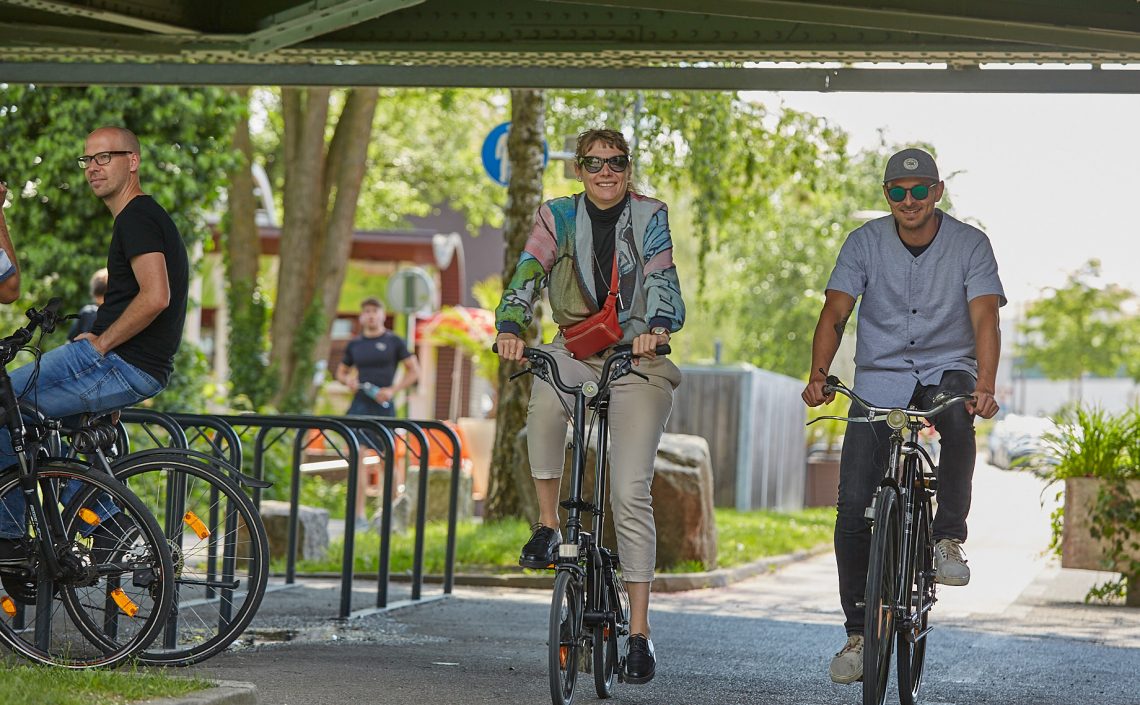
562,238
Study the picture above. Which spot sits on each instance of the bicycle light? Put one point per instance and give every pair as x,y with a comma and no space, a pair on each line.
567,550
896,419
590,389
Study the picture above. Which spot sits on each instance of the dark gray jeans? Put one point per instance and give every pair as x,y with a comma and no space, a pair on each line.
863,465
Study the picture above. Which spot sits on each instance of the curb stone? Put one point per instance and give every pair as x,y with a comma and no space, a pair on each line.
221,693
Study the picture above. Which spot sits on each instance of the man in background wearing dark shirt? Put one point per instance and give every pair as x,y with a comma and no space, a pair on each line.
369,369
369,365
88,313
129,354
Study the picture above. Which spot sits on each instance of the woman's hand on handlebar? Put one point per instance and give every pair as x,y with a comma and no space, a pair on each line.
645,345
510,346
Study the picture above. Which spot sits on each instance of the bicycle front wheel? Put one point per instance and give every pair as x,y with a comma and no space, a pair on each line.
565,637
882,584
220,550
614,601
920,586
115,588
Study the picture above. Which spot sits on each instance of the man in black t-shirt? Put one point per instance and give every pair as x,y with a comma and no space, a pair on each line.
370,361
129,354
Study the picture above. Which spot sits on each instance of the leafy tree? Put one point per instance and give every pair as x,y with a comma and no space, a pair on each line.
1078,329
345,160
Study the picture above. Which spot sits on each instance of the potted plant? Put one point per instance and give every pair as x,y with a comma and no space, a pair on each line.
1097,456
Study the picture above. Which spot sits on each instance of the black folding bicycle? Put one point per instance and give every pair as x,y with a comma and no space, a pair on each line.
900,591
589,612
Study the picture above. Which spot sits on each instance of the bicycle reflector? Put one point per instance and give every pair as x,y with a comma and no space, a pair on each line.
896,419
9,606
125,603
191,519
89,516
567,550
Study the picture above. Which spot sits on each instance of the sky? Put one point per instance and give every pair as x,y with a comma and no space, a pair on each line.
1054,180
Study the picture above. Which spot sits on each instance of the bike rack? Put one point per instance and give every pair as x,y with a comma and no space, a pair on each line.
376,433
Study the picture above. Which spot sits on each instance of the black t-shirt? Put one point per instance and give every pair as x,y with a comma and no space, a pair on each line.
375,359
142,227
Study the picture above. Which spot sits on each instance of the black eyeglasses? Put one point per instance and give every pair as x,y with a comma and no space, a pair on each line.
102,158
918,193
593,165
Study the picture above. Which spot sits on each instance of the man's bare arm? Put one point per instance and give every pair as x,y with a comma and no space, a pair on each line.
987,341
153,298
837,308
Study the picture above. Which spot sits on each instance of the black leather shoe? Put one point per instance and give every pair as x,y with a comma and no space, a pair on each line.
640,664
542,548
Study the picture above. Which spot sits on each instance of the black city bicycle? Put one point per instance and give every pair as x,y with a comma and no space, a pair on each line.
216,537
589,611
900,591
89,552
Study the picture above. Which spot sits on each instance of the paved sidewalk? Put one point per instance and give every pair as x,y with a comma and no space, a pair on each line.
1018,634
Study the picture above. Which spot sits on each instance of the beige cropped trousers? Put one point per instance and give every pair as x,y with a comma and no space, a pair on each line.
638,413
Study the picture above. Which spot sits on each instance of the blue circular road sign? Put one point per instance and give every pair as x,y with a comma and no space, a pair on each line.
495,154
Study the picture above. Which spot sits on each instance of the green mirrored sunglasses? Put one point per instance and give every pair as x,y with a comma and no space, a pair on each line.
918,193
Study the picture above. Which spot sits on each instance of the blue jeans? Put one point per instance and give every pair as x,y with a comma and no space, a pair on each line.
865,447
73,379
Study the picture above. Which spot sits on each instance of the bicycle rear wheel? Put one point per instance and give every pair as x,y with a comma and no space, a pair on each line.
611,634
566,609
920,585
220,550
882,584
117,575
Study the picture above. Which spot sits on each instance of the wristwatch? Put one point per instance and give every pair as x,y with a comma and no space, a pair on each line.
659,330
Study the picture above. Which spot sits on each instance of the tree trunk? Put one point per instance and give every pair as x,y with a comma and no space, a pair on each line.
241,247
511,491
302,237
344,174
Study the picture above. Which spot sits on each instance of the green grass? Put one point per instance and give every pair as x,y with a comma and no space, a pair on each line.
23,684
494,548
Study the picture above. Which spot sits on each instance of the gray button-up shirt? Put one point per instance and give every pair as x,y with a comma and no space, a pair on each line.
914,317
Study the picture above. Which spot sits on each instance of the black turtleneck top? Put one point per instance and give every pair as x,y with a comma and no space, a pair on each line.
604,223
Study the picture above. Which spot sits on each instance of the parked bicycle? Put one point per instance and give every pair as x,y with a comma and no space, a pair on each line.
216,537
900,591
589,612
94,580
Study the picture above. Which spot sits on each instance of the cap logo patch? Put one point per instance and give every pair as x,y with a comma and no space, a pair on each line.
910,164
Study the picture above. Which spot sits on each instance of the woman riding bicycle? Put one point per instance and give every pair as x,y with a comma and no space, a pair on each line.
607,258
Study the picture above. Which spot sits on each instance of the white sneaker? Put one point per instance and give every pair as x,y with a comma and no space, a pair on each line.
949,564
847,666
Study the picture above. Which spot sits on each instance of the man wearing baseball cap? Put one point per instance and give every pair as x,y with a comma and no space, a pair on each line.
928,323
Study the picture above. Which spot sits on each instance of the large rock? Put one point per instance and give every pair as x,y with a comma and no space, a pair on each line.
312,530
682,501
438,495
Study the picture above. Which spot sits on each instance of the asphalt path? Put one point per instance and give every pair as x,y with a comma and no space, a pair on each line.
1019,633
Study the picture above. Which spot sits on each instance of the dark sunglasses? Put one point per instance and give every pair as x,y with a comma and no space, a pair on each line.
593,165
918,193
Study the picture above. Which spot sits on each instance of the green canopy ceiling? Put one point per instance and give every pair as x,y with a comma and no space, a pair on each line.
1077,45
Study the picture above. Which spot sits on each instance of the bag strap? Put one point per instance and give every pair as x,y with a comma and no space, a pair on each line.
614,276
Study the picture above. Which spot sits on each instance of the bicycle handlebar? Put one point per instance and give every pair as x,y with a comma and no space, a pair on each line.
621,353
878,413
44,319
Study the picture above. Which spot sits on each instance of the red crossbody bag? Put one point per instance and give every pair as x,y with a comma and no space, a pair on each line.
600,330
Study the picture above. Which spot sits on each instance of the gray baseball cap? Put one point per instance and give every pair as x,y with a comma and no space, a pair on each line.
911,164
